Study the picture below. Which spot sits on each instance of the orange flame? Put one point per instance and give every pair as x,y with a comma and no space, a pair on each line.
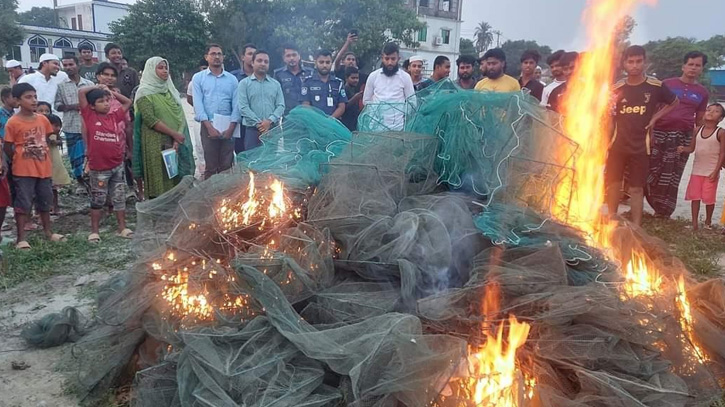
686,319
641,279
249,208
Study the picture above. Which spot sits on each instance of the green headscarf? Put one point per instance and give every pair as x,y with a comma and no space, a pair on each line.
151,84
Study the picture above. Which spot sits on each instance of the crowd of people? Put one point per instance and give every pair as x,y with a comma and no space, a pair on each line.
120,127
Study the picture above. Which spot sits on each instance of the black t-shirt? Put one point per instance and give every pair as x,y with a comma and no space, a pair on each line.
535,87
556,98
633,108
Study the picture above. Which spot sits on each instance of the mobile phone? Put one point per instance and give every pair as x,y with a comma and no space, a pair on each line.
354,32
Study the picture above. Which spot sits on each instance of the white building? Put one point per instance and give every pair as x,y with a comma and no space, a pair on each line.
85,22
442,33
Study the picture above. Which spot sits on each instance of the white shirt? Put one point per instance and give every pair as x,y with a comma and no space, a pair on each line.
45,89
393,89
547,92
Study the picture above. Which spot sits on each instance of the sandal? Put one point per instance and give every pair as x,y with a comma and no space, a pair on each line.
24,245
55,237
94,238
125,233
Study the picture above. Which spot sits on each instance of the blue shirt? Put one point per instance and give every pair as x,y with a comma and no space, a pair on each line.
4,117
325,96
291,85
260,100
214,95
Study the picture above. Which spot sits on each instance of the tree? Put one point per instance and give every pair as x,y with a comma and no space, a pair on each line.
467,47
40,16
483,36
665,56
514,50
10,34
173,29
312,24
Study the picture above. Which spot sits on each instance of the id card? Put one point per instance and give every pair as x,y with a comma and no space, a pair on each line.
330,101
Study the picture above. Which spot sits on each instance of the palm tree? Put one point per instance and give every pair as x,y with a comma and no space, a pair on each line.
484,36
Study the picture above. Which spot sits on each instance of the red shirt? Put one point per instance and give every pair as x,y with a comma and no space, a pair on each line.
106,138
693,100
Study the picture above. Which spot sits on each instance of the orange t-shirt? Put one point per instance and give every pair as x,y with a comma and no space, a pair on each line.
31,157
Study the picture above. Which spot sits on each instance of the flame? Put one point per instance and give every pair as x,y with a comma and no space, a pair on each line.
640,279
686,319
249,208
277,207
495,377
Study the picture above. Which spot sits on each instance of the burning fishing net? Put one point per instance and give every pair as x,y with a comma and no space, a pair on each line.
388,268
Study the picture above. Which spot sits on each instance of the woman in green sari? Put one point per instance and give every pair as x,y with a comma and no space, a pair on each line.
160,124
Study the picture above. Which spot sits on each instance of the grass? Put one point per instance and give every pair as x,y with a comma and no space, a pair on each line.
700,251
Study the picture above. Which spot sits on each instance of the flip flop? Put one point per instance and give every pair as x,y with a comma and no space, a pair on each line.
57,238
24,245
94,238
125,233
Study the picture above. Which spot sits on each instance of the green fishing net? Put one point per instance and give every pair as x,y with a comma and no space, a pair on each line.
369,290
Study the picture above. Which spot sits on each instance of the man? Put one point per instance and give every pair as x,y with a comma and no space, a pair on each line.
66,101
88,66
529,61
261,101
291,76
391,85
675,130
203,64
216,108
15,71
343,59
465,72
636,102
415,70
353,90
441,70
127,77
46,79
568,65
323,91
406,65
496,80
246,68
557,73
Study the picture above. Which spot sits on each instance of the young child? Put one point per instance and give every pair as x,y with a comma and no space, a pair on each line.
43,108
709,148
106,150
26,143
60,174
9,103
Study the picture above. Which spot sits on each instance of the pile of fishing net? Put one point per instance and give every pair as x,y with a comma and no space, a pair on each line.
369,288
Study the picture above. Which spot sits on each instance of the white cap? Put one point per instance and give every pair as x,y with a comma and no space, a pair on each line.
12,64
48,57
416,58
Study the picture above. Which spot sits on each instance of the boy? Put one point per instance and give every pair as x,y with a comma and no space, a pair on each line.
26,142
106,141
9,103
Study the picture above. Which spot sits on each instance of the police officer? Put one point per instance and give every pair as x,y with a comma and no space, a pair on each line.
291,76
324,91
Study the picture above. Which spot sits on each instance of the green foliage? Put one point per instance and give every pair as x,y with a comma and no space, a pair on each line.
665,56
311,24
514,50
10,33
467,47
483,36
40,16
173,29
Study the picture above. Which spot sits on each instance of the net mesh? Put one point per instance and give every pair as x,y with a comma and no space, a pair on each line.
367,286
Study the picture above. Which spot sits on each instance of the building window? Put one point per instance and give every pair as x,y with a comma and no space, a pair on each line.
73,23
423,34
14,53
38,46
62,43
424,3
80,22
444,5
446,36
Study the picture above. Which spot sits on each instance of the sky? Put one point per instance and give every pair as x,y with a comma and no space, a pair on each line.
556,23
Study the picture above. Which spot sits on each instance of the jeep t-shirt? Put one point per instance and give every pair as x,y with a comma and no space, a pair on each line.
633,108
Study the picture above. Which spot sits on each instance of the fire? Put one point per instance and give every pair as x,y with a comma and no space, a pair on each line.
261,206
641,279
686,319
495,377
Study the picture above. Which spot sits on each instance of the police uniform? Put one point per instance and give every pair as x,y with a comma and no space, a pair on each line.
325,96
291,85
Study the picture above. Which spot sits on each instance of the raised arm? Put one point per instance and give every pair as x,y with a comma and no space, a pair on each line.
350,39
82,92
125,102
